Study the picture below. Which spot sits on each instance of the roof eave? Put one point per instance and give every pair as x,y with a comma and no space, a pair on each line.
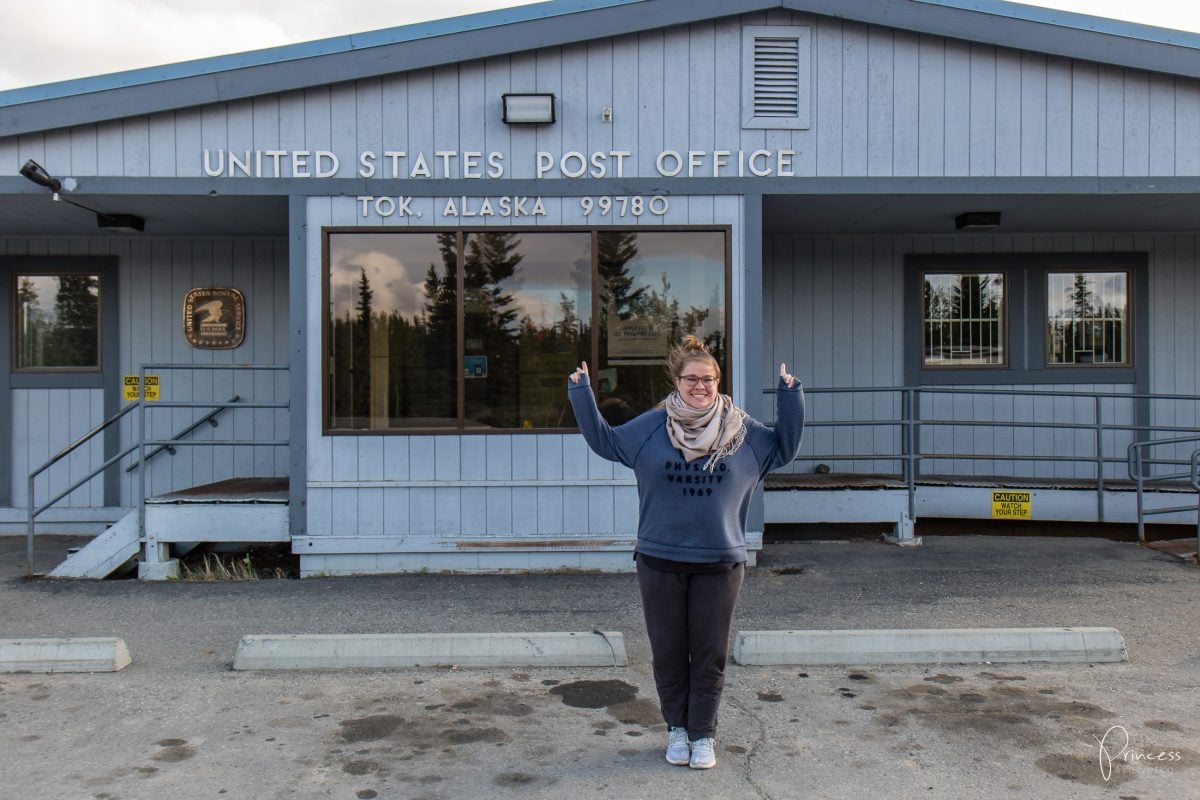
1023,27
342,59
364,60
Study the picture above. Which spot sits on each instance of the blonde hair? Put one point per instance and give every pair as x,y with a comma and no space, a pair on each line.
690,349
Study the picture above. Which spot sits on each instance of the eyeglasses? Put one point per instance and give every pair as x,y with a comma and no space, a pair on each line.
690,381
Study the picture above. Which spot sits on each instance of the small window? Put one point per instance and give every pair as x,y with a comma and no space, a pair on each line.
1013,318
963,320
1086,318
776,73
57,322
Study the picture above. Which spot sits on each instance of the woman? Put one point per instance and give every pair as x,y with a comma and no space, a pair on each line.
698,459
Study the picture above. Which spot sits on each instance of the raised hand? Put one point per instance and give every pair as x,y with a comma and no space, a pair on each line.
582,370
790,380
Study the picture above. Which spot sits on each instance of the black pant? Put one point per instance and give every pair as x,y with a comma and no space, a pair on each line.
688,618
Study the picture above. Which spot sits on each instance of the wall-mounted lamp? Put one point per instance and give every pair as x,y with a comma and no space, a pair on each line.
527,109
977,221
128,223
37,173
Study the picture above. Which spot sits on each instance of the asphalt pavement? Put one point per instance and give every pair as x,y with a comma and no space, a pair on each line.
180,723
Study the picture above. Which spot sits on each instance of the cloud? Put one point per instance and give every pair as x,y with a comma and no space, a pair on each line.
396,286
87,37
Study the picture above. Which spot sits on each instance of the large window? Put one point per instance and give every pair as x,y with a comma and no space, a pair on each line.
56,322
1026,318
477,330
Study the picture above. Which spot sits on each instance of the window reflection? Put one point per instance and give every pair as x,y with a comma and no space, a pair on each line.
523,323
58,321
655,288
527,324
1085,317
963,321
392,338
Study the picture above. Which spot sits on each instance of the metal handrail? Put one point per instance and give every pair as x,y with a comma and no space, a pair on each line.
66,451
910,424
1196,486
142,443
31,500
1137,472
210,418
151,541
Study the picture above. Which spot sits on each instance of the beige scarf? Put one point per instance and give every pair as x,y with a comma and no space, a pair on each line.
716,431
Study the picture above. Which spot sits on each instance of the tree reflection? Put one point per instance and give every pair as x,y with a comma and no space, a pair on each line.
630,297
66,335
525,323
391,367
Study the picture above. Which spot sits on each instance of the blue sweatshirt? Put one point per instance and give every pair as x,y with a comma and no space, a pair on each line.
684,512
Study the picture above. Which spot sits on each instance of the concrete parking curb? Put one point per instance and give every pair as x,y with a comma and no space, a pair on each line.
930,646
97,654
556,649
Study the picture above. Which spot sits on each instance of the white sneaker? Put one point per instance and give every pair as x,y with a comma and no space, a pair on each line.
704,753
677,746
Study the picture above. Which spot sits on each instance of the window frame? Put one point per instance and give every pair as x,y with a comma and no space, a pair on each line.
326,369
1027,316
1004,321
62,377
1128,343
14,276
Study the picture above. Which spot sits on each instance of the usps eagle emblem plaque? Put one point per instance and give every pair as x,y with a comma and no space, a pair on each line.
214,319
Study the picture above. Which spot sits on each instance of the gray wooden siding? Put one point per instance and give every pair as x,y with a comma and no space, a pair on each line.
154,275
887,102
538,485
44,422
833,311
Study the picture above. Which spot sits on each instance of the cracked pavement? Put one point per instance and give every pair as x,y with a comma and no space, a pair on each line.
179,723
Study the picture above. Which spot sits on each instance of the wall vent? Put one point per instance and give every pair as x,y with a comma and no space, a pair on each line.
776,76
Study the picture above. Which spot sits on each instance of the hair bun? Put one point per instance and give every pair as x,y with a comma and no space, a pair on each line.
690,348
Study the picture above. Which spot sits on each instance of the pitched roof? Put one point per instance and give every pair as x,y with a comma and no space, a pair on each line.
511,30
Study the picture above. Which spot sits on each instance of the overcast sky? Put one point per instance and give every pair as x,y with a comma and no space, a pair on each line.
54,40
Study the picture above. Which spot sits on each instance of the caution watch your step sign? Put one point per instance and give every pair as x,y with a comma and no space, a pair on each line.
1011,505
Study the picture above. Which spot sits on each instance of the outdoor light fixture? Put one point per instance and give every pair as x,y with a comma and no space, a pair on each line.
129,223
37,173
977,221
528,109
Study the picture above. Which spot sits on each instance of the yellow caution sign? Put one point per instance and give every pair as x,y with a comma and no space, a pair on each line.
132,387
152,387
1011,505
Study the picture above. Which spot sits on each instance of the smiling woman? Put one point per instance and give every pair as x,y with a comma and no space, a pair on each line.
697,458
